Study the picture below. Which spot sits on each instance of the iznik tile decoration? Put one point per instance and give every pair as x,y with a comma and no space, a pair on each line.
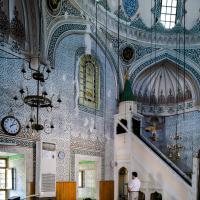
80,121
138,23
158,27
193,54
120,13
162,57
48,18
69,122
69,8
103,3
130,7
66,7
196,27
17,141
156,10
58,32
68,27
140,51
9,87
180,10
187,126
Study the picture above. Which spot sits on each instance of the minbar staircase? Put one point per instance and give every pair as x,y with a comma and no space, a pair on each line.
157,173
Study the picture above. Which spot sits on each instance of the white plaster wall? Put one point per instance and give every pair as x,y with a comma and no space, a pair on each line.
193,13
145,11
28,160
155,175
127,106
109,156
19,165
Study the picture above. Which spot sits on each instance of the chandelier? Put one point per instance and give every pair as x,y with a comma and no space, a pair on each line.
39,99
176,148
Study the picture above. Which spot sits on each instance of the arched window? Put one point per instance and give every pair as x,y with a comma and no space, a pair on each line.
168,13
89,81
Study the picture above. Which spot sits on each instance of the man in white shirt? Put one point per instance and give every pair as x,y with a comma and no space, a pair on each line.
134,187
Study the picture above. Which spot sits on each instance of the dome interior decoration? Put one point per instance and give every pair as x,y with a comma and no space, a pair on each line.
164,84
130,7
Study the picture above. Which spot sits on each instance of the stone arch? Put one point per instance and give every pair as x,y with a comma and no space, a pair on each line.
147,62
63,30
123,183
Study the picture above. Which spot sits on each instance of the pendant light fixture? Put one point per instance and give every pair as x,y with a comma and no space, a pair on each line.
40,99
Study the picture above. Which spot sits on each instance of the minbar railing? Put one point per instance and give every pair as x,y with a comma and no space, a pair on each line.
165,159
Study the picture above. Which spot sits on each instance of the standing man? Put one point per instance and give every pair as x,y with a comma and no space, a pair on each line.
134,187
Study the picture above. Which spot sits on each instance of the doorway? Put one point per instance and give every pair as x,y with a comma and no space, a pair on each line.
123,183
88,176
12,175
87,180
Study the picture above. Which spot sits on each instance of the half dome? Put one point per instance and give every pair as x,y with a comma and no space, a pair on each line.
164,83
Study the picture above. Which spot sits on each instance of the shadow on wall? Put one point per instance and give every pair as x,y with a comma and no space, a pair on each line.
141,196
156,196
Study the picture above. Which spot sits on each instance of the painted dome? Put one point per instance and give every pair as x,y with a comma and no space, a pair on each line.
138,18
164,83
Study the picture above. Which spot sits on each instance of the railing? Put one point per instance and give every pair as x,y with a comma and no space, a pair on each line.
162,156
166,160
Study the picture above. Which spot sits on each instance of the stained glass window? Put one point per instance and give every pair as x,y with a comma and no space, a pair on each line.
168,13
89,81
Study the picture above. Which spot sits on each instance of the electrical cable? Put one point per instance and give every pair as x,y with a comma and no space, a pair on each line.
95,89
105,70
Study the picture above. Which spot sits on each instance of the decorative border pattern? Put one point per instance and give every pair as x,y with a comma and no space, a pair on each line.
160,58
69,8
193,54
58,32
86,147
17,141
124,46
165,110
140,51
